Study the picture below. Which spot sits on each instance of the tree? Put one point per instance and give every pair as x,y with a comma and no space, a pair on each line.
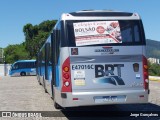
154,69
15,52
1,55
35,36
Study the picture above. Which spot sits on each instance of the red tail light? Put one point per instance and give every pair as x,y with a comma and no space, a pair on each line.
145,73
66,73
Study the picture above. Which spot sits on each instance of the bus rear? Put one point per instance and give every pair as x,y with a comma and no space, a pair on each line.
104,60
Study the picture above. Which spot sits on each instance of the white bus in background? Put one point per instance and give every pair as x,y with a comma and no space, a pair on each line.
95,58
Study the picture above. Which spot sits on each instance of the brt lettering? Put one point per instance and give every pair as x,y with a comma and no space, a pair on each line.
107,70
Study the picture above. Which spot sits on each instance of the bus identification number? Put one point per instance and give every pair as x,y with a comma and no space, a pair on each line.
82,67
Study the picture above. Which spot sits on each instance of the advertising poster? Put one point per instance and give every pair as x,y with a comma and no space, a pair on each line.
97,32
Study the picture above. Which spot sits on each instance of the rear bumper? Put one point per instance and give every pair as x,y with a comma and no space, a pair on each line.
88,98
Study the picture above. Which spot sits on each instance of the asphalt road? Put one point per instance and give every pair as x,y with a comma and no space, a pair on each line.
23,94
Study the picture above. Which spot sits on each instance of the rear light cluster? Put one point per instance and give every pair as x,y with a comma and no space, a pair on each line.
66,76
145,73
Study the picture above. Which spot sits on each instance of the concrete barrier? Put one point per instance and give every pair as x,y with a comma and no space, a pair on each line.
154,78
4,69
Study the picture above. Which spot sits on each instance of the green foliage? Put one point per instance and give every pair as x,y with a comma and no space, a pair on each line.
1,55
153,50
1,52
35,36
154,69
15,52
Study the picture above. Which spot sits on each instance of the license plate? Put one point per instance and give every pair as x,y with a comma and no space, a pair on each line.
109,99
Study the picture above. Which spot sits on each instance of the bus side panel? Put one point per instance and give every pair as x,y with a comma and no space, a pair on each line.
64,54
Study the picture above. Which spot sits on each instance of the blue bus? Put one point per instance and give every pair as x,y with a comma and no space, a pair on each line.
95,58
23,68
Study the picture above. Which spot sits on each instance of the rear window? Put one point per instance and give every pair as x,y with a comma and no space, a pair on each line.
99,33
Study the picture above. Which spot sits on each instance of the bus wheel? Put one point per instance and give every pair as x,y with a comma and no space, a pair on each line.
45,90
57,106
44,85
39,81
23,74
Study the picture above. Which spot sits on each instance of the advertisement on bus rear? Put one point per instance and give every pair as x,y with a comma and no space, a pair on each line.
97,32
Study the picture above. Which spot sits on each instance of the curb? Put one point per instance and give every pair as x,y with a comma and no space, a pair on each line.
154,78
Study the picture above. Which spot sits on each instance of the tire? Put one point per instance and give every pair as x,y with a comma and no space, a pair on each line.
52,94
44,85
39,80
45,90
57,106
23,73
39,83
